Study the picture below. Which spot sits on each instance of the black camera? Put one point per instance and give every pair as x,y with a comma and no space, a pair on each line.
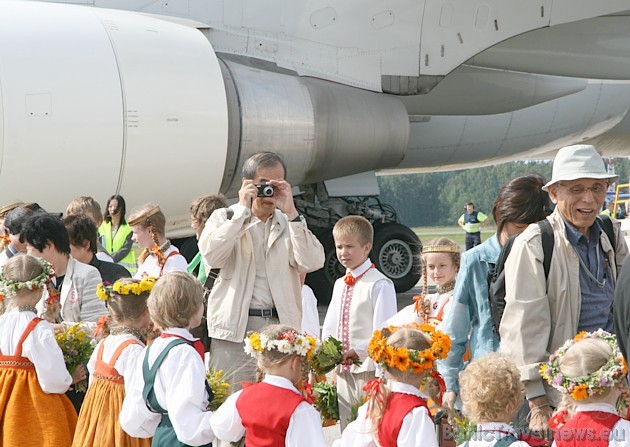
265,190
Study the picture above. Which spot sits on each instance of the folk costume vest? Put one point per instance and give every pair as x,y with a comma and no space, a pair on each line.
396,408
114,244
586,429
360,315
265,412
107,370
165,435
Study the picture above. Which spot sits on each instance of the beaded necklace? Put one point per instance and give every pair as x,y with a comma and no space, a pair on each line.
446,287
119,330
27,309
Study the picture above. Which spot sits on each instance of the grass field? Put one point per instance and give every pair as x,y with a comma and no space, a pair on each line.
454,232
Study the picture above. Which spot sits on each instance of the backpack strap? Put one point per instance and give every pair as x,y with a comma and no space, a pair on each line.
496,268
605,222
546,234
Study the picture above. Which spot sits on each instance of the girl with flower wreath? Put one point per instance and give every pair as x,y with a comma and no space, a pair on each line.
273,412
34,410
590,373
112,363
148,225
396,413
440,260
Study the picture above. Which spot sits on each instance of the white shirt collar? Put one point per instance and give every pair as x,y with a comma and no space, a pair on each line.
597,406
362,268
405,388
281,382
180,332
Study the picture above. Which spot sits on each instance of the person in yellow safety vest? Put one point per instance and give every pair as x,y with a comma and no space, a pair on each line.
115,234
610,209
472,221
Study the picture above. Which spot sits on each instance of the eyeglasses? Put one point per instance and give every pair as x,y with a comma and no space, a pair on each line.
597,189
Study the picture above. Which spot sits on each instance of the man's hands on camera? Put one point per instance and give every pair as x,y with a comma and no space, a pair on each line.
284,198
248,193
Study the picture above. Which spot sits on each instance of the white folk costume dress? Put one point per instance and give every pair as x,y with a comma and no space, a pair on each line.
416,428
304,428
179,388
354,313
112,363
34,411
175,262
438,305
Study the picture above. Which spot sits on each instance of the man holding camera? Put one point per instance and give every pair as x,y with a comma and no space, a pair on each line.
260,247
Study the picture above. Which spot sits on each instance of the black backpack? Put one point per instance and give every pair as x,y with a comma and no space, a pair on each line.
496,273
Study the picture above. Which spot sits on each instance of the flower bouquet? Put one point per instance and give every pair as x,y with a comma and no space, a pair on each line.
219,386
77,348
326,403
328,356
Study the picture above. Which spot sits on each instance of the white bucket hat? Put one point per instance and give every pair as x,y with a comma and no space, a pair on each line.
578,161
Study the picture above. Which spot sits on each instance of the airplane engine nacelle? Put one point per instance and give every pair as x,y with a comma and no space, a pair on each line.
323,130
96,102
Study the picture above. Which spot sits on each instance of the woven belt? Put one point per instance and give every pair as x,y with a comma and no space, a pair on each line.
266,313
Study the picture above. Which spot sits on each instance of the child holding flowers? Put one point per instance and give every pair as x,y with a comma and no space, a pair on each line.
34,410
590,373
112,364
167,395
396,413
273,412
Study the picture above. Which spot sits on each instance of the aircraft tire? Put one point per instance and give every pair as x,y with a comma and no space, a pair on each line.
396,253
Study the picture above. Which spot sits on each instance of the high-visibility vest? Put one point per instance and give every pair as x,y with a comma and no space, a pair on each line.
115,244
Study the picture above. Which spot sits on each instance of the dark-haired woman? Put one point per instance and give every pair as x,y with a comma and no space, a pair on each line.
116,234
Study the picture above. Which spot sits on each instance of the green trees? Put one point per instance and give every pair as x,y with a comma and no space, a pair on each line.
438,198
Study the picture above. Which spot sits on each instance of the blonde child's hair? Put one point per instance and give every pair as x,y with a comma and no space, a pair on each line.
409,338
150,216
202,207
355,226
582,359
175,299
442,245
85,205
23,268
491,388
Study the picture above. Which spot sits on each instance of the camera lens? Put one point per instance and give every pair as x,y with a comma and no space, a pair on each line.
265,190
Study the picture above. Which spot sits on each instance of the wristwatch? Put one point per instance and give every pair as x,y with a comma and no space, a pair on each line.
299,218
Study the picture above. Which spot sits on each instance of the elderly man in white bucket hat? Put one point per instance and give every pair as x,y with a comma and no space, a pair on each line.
542,313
